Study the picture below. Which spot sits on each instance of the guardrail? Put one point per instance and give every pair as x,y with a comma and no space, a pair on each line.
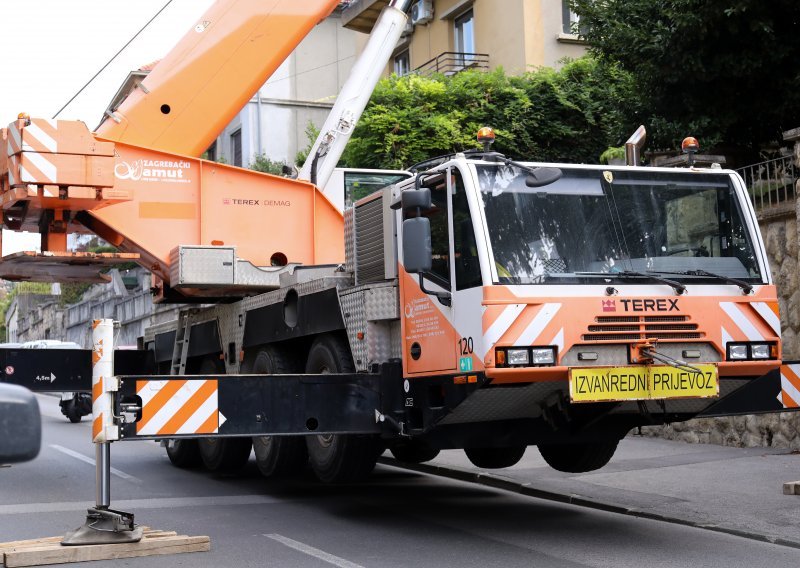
452,62
771,184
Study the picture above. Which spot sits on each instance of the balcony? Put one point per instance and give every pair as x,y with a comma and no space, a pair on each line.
452,62
361,15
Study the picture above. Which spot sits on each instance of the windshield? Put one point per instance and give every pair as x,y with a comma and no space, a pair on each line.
607,222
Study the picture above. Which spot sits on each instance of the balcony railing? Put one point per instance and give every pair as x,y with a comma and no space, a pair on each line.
452,62
771,185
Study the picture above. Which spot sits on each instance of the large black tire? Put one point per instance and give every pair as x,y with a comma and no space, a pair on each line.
338,458
225,455
222,455
72,412
343,458
495,458
184,454
578,458
413,452
277,456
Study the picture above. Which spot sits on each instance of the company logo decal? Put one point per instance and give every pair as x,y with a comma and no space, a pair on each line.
153,170
259,202
660,305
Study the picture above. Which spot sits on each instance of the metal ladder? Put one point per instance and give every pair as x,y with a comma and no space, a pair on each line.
180,349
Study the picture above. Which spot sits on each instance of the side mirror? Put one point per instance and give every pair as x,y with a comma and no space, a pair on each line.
20,425
416,199
543,176
417,252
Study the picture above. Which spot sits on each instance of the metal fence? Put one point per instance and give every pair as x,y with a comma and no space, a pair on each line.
451,62
771,184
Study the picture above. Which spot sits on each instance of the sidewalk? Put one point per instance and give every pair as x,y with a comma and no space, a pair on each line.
734,490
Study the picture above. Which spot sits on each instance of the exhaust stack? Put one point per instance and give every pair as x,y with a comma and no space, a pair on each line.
633,146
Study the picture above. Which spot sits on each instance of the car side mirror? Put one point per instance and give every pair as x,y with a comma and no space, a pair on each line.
417,251
20,425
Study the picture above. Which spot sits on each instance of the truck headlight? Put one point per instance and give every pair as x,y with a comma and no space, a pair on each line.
759,351
752,351
518,357
525,356
737,352
543,355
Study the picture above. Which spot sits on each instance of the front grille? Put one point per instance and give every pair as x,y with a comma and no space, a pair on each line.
636,328
617,319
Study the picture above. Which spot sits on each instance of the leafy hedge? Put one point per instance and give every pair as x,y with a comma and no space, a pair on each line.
570,115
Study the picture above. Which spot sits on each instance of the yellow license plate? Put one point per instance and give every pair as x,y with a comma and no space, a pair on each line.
603,384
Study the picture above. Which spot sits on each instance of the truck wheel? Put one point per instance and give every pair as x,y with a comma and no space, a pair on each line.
277,456
343,458
72,412
413,452
222,455
578,458
338,458
184,454
495,458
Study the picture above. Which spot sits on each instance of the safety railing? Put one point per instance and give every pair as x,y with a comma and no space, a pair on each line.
771,184
452,62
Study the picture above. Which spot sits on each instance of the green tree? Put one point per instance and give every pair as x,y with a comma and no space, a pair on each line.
722,70
572,114
311,136
263,164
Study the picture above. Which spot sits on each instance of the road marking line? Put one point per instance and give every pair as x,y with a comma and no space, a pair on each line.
138,504
81,457
315,552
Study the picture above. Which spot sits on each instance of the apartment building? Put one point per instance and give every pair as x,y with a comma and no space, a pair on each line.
450,35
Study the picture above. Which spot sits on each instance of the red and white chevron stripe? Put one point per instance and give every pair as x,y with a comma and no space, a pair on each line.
521,324
179,407
790,386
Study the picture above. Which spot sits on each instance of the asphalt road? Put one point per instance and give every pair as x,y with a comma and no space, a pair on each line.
399,518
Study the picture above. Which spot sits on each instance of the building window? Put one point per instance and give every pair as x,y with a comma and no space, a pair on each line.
236,148
570,20
211,152
465,32
402,63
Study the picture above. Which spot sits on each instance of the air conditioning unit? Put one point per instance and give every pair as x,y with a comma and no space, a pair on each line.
408,30
422,12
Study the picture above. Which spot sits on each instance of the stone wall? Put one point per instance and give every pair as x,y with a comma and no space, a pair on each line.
779,230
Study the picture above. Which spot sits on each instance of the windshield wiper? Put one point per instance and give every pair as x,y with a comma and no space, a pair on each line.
537,177
677,286
746,288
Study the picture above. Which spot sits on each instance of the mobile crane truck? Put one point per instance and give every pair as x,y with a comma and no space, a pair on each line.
483,303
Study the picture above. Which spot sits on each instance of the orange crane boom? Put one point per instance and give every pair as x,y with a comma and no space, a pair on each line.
137,181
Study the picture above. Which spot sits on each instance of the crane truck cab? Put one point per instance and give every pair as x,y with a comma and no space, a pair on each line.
608,298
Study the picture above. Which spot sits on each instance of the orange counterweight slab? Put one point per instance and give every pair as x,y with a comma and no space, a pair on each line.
57,166
191,94
178,200
54,137
60,169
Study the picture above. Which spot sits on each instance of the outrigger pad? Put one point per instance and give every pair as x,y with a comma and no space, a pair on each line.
105,526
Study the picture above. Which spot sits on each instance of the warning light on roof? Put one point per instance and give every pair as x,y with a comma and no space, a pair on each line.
690,144
24,116
486,137
485,134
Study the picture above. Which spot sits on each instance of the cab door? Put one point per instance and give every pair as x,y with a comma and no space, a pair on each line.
427,327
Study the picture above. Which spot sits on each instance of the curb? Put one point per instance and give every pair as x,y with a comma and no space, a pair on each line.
529,490
791,488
